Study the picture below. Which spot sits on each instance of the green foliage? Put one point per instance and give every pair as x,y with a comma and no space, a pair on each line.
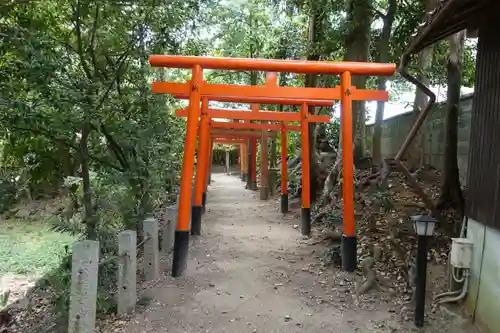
332,131
381,197
30,248
77,117
335,217
63,80
7,193
58,283
4,298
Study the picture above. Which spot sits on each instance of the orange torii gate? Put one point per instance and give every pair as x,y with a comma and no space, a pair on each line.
283,127
179,91
234,125
198,91
228,141
256,114
238,133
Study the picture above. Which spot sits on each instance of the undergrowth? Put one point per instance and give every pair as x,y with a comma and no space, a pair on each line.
30,248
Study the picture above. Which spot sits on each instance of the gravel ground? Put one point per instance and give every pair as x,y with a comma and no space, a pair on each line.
252,271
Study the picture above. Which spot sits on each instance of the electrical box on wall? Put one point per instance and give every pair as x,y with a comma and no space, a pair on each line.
461,252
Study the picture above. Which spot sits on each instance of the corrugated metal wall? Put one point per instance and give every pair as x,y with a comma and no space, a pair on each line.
483,197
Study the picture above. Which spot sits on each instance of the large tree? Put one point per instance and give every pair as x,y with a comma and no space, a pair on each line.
451,192
357,48
383,50
416,151
78,88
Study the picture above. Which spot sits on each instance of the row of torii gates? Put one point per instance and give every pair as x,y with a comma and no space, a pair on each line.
202,131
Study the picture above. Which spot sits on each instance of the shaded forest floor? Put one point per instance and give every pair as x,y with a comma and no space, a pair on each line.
252,271
385,230
28,247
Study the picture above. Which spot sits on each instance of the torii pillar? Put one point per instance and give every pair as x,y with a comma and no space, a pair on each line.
264,171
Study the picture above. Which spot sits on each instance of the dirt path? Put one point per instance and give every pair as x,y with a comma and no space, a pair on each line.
251,271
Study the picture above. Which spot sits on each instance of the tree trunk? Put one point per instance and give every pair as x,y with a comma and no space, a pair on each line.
228,163
315,35
272,163
359,18
416,153
383,51
252,148
145,204
249,164
88,213
334,175
451,192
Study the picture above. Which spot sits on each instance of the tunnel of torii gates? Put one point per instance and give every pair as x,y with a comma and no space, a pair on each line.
202,129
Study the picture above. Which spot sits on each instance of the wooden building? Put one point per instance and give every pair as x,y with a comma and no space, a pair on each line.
481,19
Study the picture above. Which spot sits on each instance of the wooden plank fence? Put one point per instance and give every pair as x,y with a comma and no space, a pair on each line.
85,267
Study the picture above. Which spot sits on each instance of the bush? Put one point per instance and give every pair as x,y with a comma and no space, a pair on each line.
7,194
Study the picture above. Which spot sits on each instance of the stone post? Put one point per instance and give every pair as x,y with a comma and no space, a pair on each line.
83,298
127,268
169,229
151,250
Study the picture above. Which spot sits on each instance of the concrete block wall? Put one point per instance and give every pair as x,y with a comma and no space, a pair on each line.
395,130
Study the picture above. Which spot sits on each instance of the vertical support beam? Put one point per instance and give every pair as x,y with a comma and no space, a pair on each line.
83,299
207,175
264,167
151,250
201,168
254,164
238,159
181,244
306,185
244,159
284,181
249,164
210,158
349,255
127,268
249,161
271,79
228,162
273,173
271,181
272,153
255,109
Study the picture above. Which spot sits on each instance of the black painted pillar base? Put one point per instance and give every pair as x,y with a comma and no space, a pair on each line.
248,186
284,203
305,223
254,185
244,177
203,202
421,281
349,253
196,220
181,247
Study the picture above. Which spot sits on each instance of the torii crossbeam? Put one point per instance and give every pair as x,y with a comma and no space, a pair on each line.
197,90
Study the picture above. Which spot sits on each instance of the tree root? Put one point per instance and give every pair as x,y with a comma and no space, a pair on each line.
319,217
372,282
332,236
371,277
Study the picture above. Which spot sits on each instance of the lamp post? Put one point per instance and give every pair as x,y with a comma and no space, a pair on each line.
424,227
